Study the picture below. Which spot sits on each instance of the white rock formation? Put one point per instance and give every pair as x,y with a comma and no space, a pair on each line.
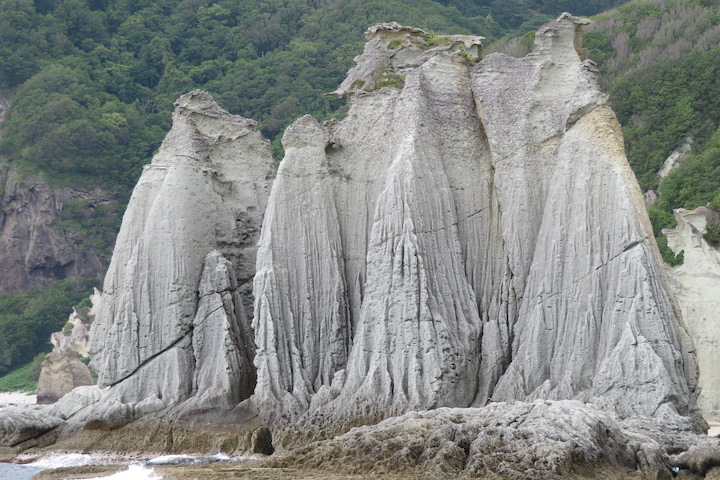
470,234
184,255
696,284
62,369
675,158
474,233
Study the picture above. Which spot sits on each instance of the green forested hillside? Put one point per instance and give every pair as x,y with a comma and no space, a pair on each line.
92,81
660,63
27,320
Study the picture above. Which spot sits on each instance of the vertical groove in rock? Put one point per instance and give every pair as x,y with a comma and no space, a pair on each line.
301,324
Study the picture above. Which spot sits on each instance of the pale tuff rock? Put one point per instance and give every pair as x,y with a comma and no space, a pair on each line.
478,235
696,284
24,424
468,234
675,158
63,370
182,261
222,341
302,337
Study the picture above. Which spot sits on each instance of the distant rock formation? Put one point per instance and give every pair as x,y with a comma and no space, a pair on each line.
35,252
696,284
63,369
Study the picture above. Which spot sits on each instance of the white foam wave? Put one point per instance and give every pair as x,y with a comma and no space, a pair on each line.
171,460
134,472
65,460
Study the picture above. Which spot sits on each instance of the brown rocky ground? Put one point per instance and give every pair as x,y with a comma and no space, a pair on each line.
220,471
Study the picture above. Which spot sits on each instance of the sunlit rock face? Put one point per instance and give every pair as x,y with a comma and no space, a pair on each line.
696,284
469,232
172,323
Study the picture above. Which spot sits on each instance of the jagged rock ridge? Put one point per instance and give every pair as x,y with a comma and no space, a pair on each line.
63,369
474,235
471,232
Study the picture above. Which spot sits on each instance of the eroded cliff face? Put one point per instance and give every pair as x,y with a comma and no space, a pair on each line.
470,233
172,323
473,235
35,251
696,284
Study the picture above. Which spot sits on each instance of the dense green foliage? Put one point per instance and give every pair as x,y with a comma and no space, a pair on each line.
27,320
97,223
696,181
92,83
19,380
660,62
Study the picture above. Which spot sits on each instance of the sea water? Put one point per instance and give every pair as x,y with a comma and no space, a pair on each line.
10,471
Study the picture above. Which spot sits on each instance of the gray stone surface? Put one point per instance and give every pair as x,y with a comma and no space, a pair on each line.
469,236
36,253
64,369
474,234
197,207
61,372
22,424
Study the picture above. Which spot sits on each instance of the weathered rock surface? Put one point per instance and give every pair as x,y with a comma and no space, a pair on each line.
696,284
61,372
542,439
35,252
474,233
63,369
470,234
23,424
184,257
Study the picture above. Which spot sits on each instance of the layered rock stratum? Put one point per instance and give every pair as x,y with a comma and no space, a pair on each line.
696,284
470,234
